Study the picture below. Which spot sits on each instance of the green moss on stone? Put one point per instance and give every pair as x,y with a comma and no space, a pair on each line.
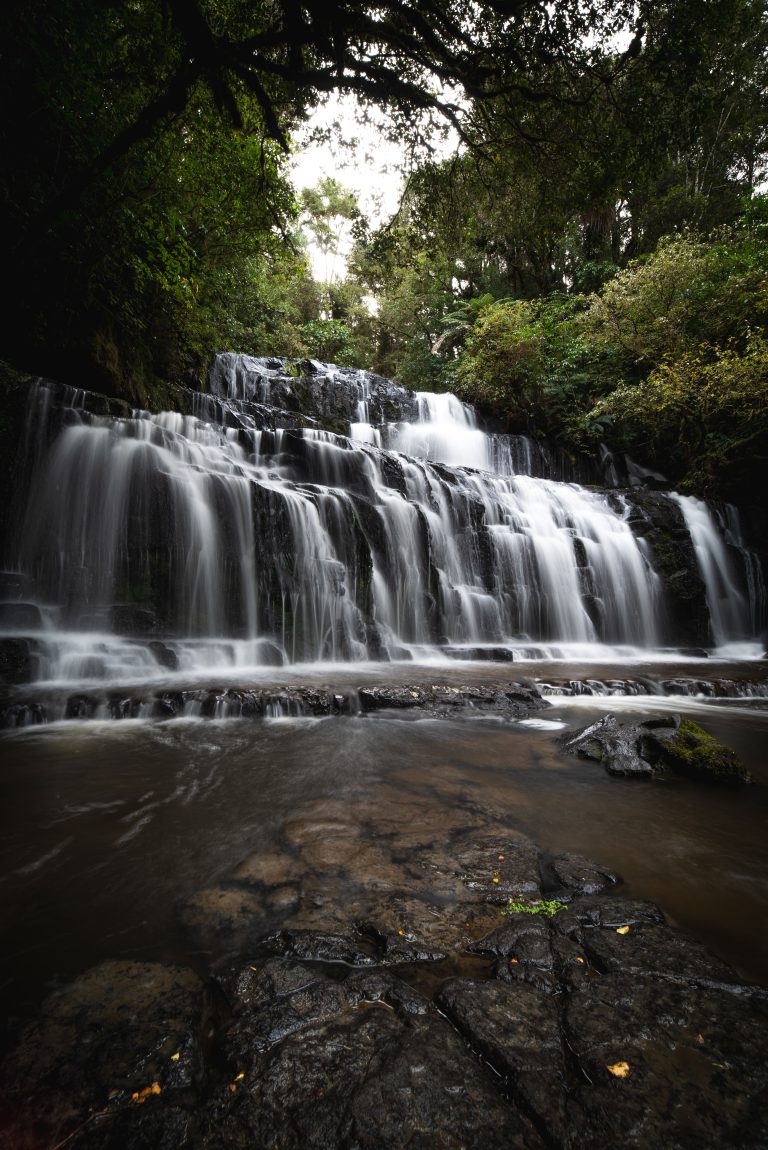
693,751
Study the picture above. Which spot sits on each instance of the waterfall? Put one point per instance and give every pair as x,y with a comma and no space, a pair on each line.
242,534
735,605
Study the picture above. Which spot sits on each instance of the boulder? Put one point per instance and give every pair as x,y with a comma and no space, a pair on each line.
655,746
690,750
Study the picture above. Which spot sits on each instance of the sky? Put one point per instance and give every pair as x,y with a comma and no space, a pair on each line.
372,167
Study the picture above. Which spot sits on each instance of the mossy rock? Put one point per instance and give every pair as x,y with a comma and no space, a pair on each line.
690,750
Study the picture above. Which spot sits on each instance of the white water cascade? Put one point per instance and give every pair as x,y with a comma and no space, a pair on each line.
221,541
733,614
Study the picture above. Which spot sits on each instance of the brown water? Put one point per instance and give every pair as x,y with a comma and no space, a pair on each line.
105,827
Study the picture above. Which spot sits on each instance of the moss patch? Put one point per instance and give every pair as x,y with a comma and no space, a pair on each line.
692,751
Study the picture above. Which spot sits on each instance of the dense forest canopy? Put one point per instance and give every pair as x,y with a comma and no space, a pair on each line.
594,251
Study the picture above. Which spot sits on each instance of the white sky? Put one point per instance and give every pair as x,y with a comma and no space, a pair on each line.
372,168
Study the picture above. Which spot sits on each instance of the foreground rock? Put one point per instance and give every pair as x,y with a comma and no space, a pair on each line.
466,994
655,746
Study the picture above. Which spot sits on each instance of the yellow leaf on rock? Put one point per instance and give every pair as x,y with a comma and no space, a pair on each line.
175,1057
622,930
140,1096
495,879
619,1069
240,1076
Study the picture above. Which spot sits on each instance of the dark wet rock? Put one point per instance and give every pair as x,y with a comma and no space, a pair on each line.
117,1030
689,750
513,700
165,655
322,391
480,654
131,619
318,946
578,875
516,1028
314,1038
499,866
359,1063
21,617
693,1058
365,944
626,936
14,585
19,660
658,519
523,951
23,715
658,744
400,945
79,707
615,746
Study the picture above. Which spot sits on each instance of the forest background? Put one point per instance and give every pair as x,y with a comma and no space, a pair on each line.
589,264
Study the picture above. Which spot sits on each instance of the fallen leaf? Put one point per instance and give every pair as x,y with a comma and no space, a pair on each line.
619,1069
232,1087
513,961
239,1077
495,879
175,1057
622,930
140,1096
580,959
502,857
401,933
700,1038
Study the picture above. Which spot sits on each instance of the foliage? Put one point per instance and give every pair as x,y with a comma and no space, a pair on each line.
547,908
687,290
525,361
704,412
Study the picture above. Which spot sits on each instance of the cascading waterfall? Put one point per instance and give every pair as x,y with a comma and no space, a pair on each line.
734,615
230,538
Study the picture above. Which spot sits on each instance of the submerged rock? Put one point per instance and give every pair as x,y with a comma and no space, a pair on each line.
654,746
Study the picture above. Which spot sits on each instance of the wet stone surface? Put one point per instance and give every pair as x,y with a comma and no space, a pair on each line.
655,746
409,1013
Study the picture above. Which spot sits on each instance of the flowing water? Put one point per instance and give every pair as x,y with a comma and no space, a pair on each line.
165,564
106,827
170,541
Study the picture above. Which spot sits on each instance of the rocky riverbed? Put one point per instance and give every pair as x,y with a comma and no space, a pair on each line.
368,980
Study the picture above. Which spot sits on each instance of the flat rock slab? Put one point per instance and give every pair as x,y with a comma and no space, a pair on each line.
595,1027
